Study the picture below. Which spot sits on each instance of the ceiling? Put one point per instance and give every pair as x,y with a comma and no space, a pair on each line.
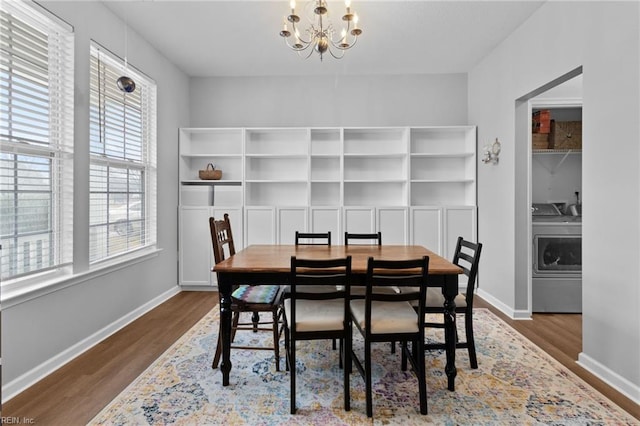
241,38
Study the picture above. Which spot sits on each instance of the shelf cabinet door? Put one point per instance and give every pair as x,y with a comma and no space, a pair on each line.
426,228
196,252
360,220
393,223
259,225
323,219
290,220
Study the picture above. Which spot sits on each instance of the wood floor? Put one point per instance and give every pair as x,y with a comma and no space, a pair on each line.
74,394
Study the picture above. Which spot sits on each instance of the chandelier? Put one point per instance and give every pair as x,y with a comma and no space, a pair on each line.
321,35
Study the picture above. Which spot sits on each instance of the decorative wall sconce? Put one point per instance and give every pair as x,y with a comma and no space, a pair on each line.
492,153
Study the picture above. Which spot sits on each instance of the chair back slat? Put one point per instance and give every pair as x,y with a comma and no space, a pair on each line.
374,238
313,238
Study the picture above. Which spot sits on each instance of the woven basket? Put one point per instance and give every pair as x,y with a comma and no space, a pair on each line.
210,173
566,135
540,140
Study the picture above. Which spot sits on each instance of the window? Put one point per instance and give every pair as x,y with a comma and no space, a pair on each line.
122,177
36,141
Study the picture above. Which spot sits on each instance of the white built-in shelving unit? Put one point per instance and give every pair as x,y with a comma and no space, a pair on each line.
417,185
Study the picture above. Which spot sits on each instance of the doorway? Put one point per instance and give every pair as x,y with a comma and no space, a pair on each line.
556,189
562,95
523,183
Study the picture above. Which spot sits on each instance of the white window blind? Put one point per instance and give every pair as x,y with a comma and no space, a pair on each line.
123,159
36,141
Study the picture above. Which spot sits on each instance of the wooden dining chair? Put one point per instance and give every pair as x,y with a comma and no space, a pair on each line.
370,238
467,257
245,298
390,317
314,239
317,315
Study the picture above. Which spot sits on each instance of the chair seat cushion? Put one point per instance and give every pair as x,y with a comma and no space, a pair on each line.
258,294
361,291
386,317
317,315
435,299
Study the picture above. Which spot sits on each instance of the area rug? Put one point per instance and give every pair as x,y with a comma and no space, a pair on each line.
516,384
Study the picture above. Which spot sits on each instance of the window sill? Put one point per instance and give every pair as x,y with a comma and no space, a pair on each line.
54,282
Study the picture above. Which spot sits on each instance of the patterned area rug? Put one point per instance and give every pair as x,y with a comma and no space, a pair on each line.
516,384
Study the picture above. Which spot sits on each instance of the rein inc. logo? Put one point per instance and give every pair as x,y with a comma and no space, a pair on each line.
17,420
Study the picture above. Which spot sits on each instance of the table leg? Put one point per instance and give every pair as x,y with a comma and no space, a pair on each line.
224,287
450,290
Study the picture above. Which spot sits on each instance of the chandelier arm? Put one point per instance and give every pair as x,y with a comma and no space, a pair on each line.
334,55
355,40
309,55
305,46
343,48
302,49
296,34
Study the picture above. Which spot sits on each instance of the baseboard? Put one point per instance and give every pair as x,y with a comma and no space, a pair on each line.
198,288
29,378
613,379
507,310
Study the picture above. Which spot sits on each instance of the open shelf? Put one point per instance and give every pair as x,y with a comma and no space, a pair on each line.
416,185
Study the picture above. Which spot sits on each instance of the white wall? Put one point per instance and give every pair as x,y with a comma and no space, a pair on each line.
603,38
40,332
393,100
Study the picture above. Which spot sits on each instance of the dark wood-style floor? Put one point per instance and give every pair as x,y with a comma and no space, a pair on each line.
74,394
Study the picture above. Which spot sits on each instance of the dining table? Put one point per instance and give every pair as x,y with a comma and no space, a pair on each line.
271,264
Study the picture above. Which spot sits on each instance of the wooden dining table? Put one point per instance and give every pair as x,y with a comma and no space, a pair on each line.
271,264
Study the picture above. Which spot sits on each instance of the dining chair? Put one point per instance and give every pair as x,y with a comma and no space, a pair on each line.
317,315
370,238
467,257
390,317
373,238
313,238
245,298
